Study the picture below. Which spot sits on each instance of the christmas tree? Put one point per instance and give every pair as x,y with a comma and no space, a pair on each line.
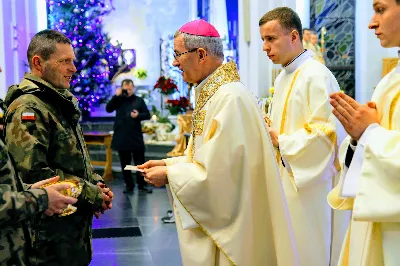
96,58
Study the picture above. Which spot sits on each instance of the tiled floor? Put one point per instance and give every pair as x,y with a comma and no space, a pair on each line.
159,244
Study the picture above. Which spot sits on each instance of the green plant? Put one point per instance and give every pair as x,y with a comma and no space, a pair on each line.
140,73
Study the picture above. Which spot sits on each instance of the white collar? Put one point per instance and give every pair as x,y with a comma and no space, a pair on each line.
397,69
298,61
201,84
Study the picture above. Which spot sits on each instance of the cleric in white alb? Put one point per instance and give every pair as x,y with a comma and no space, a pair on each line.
306,136
371,187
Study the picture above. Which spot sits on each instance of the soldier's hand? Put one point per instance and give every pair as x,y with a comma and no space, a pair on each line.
109,193
97,215
151,163
44,182
106,199
118,92
57,201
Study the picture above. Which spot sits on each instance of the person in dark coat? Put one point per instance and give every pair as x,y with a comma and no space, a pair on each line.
128,136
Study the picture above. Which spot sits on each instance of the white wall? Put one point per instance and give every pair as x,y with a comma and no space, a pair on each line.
303,9
140,24
369,53
3,83
255,67
218,17
18,23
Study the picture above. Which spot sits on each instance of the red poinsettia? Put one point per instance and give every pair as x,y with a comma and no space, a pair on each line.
177,106
166,85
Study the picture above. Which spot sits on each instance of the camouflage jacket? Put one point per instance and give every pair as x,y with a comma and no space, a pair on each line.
45,139
15,207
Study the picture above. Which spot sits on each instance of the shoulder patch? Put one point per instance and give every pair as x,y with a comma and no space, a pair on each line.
28,116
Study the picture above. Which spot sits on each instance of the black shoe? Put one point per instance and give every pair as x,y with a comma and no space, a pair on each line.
127,190
169,219
146,190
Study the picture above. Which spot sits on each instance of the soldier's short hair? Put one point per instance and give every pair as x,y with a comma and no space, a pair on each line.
127,81
287,18
44,43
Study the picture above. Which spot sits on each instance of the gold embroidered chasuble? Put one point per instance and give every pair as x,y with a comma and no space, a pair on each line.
229,182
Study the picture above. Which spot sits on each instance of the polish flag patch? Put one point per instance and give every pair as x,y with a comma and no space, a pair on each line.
28,116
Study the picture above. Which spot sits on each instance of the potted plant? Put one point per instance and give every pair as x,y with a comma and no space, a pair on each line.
177,106
166,85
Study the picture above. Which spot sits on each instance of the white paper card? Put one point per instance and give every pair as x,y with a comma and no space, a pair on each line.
133,168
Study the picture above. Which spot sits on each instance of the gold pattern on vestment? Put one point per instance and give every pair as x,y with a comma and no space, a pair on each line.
283,121
226,73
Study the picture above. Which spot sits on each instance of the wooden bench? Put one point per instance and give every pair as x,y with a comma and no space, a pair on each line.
102,139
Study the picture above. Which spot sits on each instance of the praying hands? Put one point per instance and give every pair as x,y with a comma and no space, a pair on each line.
354,117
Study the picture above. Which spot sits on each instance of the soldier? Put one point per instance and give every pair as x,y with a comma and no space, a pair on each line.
44,137
15,207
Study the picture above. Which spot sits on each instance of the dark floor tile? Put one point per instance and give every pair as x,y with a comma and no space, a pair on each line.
117,232
159,244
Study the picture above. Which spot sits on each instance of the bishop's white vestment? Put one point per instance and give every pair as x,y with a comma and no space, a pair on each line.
228,198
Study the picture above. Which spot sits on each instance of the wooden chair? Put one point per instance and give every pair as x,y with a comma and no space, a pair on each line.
102,139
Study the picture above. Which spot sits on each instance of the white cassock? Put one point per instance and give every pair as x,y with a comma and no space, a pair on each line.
372,185
228,199
308,142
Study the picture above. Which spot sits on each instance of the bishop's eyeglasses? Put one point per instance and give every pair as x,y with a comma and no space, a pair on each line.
176,56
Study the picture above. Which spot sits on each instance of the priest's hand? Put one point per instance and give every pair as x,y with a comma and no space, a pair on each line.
274,137
354,117
151,163
156,176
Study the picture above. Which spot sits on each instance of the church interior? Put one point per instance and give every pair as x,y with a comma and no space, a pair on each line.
117,40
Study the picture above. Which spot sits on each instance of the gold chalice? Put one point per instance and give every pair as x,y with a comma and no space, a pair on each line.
74,191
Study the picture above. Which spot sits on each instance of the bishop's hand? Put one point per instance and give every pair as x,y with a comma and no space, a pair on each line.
151,163
156,176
